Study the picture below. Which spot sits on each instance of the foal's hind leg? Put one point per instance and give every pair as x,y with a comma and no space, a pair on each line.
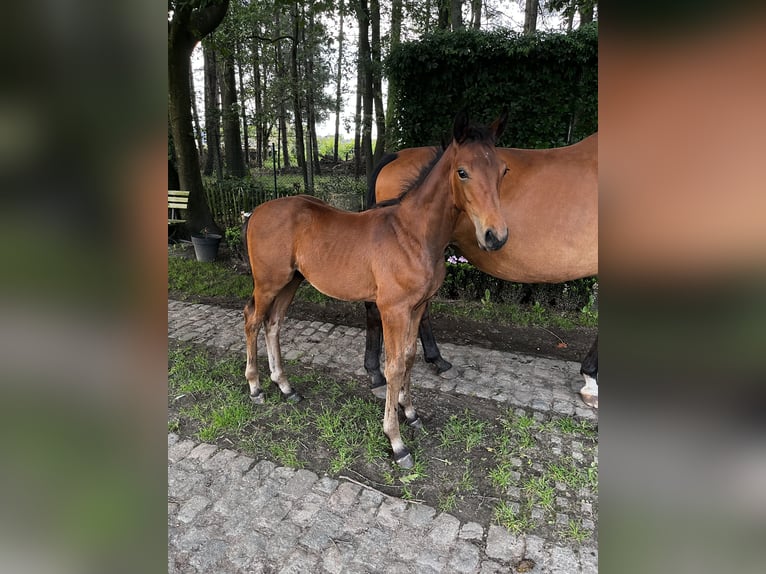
273,324
589,371
253,319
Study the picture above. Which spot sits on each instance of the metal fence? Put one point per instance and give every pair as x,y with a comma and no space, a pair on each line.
334,184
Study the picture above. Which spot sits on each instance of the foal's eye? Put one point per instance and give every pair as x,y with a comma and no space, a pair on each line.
506,170
462,174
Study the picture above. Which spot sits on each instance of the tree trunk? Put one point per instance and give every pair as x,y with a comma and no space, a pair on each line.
377,81
396,34
212,113
338,85
300,146
358,117
363,15
586,13
310,107
456,14
187,27
243,110
195,113
530,16
232,143
476,14
258,91
444,20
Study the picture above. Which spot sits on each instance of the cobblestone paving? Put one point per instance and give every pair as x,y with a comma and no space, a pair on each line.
230,513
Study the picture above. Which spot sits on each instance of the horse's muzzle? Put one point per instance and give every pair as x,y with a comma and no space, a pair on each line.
492,242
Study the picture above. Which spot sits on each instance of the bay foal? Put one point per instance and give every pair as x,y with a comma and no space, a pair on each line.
549,200
392,255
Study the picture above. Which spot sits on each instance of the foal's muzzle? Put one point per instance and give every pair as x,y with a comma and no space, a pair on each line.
492,242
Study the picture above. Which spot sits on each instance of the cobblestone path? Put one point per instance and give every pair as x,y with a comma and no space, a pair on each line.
230,513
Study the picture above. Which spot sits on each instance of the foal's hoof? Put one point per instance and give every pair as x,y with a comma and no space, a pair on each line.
415,423
294,397
379,391
441,365
405,461
258,398
589,399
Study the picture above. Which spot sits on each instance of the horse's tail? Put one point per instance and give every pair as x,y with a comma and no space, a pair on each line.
384,161
245,216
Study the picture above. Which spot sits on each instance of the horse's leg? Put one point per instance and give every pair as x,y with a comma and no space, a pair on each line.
405,396
430,349
373,348
273,324
589,371
254,314
399,334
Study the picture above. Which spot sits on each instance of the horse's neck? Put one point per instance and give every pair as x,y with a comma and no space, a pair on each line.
430,208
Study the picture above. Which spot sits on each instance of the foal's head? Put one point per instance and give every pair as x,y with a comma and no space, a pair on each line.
475,176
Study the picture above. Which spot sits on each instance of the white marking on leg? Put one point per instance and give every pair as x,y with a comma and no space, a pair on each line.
589,392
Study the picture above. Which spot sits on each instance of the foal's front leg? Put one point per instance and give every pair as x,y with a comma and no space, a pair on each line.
400,336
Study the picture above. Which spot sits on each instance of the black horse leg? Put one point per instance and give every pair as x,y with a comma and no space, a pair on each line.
430,350
589,371
373,348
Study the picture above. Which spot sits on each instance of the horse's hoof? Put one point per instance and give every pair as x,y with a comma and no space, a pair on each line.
258,399
294,397
379,391
590,400
441,365
415,423
405,461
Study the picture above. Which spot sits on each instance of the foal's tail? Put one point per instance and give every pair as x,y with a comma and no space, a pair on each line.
245,216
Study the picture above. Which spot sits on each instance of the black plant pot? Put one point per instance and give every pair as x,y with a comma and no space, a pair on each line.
206,247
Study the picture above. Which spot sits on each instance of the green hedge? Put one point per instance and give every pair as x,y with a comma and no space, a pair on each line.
547,81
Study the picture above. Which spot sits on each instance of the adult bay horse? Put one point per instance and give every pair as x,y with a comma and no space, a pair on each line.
549,198
392,255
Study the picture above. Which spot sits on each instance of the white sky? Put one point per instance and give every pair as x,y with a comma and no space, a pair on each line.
510,14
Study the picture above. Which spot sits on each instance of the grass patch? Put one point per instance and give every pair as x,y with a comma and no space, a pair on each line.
513,520
195,278
466,431
507,457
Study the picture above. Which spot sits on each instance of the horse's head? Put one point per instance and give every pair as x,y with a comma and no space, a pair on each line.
475,177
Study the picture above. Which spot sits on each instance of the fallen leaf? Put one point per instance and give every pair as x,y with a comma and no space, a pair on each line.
562,345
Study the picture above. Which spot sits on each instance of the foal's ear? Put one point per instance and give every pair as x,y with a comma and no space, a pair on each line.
498,125
461,123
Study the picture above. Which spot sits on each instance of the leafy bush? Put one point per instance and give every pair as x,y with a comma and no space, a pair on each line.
547,81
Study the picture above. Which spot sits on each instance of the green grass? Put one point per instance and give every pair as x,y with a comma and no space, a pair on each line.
501,476
207,279
466,431
514,521
575,532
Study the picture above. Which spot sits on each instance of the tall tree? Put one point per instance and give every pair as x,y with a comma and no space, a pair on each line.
339,81
189,21
212,112
443,22
456,14
530,16
365,71
376,66
243,111
195,113
232,142
395,35
300,146
476,14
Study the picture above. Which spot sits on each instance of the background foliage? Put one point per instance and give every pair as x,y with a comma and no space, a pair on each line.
548,82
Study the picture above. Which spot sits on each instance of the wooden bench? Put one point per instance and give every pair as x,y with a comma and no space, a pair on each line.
177,200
